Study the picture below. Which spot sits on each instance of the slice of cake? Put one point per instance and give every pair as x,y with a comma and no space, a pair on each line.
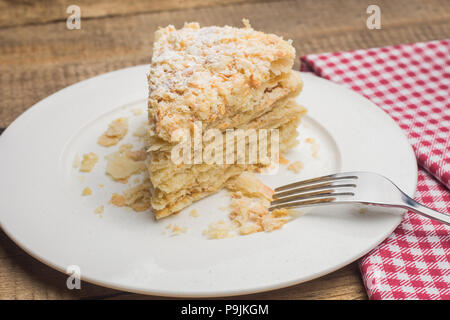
215,80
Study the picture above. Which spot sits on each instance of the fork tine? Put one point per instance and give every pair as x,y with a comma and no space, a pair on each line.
304,203
312,192
314,187
331,177
319,195
306,195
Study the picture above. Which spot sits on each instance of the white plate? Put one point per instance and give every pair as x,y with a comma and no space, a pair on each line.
42,210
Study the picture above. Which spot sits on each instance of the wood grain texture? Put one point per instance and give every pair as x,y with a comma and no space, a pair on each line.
23,12
39,56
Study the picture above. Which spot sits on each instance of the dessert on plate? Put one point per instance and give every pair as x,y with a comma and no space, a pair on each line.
216,79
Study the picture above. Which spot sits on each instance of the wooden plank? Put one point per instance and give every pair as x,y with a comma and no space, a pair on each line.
344,284
15,13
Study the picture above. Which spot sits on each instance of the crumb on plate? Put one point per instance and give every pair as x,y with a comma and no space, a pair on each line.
124,163
220,230
283,160
194,213
86,191
252,215
250,202
76,161
89,161
137,111
314,146
117,129
118,200
177,230
295,166
100,209
137,198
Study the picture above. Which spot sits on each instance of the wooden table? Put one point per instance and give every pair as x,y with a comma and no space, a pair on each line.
39,55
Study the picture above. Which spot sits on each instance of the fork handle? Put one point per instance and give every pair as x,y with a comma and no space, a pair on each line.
425,211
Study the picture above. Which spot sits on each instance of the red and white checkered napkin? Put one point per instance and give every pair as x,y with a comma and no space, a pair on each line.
412,84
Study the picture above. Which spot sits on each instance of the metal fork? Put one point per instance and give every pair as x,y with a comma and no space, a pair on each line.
350,187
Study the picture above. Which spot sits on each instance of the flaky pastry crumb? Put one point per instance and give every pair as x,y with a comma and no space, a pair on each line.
86,191
125,162
118,200
295,166
89,161
76,161
100,209
177,230
137,198
137,111
283,160
219,230
314,146
115,132
250,202
194,213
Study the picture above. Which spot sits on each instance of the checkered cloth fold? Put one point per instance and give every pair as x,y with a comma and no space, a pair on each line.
412,84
